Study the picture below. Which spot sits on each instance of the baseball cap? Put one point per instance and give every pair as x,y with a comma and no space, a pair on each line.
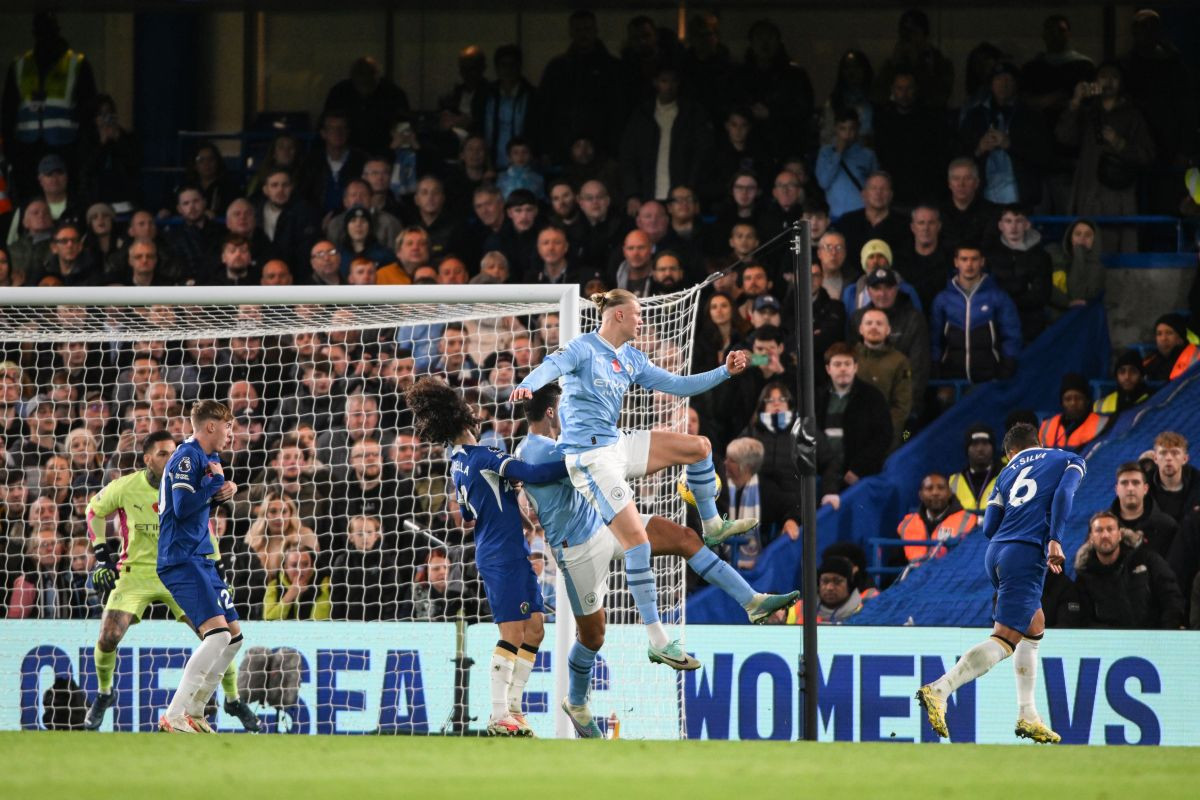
51,163
766,302
357,212
873,247
883,276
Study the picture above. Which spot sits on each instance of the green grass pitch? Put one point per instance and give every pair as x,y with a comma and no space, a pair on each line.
84,766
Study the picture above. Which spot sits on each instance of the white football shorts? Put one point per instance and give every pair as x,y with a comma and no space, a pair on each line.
602,474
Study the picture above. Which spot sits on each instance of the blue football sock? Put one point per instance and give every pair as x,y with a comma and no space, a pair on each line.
706,564
580,661
702,480
639,576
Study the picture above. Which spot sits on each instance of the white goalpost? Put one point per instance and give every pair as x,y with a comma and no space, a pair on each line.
336,498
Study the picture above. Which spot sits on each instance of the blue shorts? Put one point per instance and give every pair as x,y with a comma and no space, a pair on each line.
512,590
1018,572
199,589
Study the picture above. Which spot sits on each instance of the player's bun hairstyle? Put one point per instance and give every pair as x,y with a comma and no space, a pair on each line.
439,413
204,410
1019,437
541,402
613,298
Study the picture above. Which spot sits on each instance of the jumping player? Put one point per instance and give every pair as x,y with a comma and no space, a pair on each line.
131,576
192,480
584,550
598,368
483,486
1024,520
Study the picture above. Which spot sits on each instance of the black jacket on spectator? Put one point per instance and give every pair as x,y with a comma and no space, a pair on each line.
927,274
84,272
367,584
580,94
778,481
858,230
596,242
1178,505
196,249
1157,529
867,433
1184,559
912,146
369,118
975,224
690,153
296,231
315,176
1029,145
1137,591
1061,602
1025,275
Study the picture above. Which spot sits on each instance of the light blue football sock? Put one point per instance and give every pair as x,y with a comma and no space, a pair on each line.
579,661
702,480
712,569
639,576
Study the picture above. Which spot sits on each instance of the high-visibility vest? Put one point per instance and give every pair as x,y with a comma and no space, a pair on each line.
1053,434
960,487
912,528
1189,356
46,109
1108,403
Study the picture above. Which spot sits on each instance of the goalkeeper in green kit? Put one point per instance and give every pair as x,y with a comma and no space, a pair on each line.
131,577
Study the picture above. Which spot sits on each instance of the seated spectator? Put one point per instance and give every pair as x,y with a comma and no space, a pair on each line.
42,589
839,599
86,458
298,590
141,266
385,226
519,173
927,263
1131,386
31,247
366,579
360,421
835,271
41,440
858,559
876,219
553,249
1021,267
975,333
291,474
969,216
276,529
358,240
742,204
1175,486
769,361
754,281
362,272
276,273
743,459
634,270
1122,585
434,597
602,226
444,230
939,516
843,166
1135,510
666,274
68,261
874,256
236,267
828,315
517,238
368,488
1078,276
197,242
1077,424
720,329
1174,353
973,486
885,368
854,428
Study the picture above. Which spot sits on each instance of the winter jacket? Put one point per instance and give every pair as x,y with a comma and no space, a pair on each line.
1025,273
888,371
1158,530
910,335
1078,273
1138,590
867,429
691,148
976,336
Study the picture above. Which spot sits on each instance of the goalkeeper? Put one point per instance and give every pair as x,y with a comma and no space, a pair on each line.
585,548
131,578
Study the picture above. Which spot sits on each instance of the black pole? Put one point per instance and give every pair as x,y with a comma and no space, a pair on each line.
804,453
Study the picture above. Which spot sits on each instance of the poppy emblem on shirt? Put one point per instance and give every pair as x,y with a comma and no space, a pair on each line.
616,365
155,506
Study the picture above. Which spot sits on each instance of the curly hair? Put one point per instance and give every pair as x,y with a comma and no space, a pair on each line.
440,413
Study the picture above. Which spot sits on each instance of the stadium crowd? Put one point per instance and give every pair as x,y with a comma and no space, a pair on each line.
649,171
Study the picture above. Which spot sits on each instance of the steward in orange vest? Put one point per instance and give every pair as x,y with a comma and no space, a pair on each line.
1077,424
1176,349
940,516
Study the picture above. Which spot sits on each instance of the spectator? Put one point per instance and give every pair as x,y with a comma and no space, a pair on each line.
686,226
969,217
332,162
141,268
666,275
276,529
916,55
634,271
911,141
359,241
1174,353
885,368
975,332
909,331
739,148
828,315
743,459
367,488
742,205
42,590
454,361
839,599
1115,145
1131,386
973,485
207,172
517,239
719,330
1077,424
385,226
507,108
68,261
412,252
197,241
291,474
100,240
41,439
831,253
366,579
851,89
552,249
281,152
31,247
602,228
1021,267
1175,486
54,189
777,477
876,260
667,141
769,361
854,426
777,91
940,516
520,173
1078,276
1122,585
298,590
434,596
875,219
276,273
844,166
1135,510
289,224
1008,140
370,102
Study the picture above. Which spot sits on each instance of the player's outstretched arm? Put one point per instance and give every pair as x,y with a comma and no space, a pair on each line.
553,367
514,469
657,378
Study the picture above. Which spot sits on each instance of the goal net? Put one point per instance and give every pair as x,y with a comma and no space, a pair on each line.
341,514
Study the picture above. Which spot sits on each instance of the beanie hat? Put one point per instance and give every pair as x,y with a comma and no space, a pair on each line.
1175,322
874,247
1130,358
838,566
1073,381
978,431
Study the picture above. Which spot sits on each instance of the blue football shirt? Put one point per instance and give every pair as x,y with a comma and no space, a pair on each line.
1024,492
184,496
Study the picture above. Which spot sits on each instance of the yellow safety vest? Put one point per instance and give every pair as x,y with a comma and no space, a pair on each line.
961,488
46,111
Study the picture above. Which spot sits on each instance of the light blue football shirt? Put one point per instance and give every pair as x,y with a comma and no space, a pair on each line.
566,516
